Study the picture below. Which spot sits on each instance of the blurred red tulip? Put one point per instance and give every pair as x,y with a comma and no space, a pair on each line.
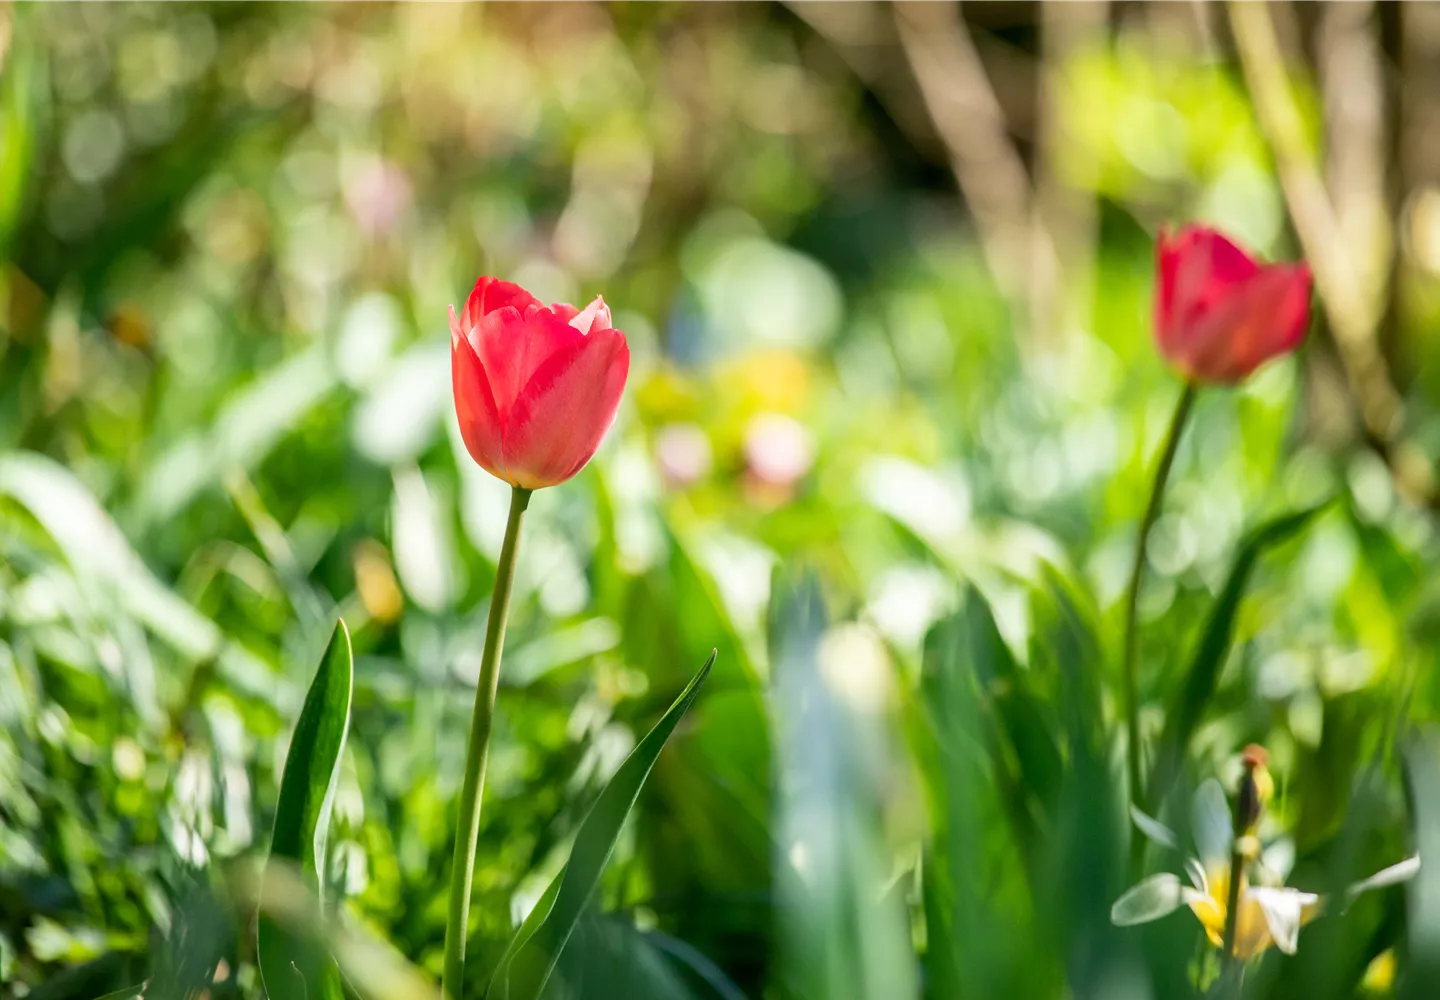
1220,314
536,387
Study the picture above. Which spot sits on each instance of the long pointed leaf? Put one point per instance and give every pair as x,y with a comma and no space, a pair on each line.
1204,672
290,966
528,962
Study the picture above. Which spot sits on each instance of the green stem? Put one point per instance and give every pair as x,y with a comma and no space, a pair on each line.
1132,594
462,868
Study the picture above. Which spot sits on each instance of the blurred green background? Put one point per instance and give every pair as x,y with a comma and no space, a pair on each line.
886,274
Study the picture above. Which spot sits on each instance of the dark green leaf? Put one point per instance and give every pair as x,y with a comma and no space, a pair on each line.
1189,704
529,960
290,965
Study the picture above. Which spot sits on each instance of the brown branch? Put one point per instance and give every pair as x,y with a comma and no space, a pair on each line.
1353,296
991,175
1065,212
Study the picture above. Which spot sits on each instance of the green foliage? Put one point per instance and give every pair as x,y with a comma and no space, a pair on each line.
1193,695
530,959
288,966
230,236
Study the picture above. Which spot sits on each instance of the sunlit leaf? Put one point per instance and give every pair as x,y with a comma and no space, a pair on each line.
963,931
530,959
1192,698
1210,820
1148,900
1154,829
292,966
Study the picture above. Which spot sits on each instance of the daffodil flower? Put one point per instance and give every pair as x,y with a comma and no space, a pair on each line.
1269,912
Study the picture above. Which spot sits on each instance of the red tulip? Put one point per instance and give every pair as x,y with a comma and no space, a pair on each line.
1220,314
536,387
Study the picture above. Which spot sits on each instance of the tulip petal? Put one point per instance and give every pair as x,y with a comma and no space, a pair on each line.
1210,819
1150,899
1265,317
512,347
475,407
564,410
490,294
1394,875
1282,909
1197,269
1154,829
456,331
1279,307
593,318
1219,314
1196,871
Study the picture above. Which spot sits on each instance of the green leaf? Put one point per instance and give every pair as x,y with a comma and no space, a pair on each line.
1422,766
842,929
530,959
289,965
964,937
1203,675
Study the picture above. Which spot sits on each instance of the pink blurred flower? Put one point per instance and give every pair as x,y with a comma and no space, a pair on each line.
377,192
779,452
684,454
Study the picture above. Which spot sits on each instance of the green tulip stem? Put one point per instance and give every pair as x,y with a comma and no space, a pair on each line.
1132,594
467,832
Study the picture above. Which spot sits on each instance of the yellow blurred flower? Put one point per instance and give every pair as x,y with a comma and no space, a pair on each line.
375,581
1380,974
769,380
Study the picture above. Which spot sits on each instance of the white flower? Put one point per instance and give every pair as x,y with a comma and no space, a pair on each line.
1269,913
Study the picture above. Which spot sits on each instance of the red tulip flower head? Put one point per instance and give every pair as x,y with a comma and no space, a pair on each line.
1219,313
536,386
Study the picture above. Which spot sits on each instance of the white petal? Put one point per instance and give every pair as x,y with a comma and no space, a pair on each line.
1393,875
1282,909
1278,859
1196,871
1150,899
1154,829
1210,816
